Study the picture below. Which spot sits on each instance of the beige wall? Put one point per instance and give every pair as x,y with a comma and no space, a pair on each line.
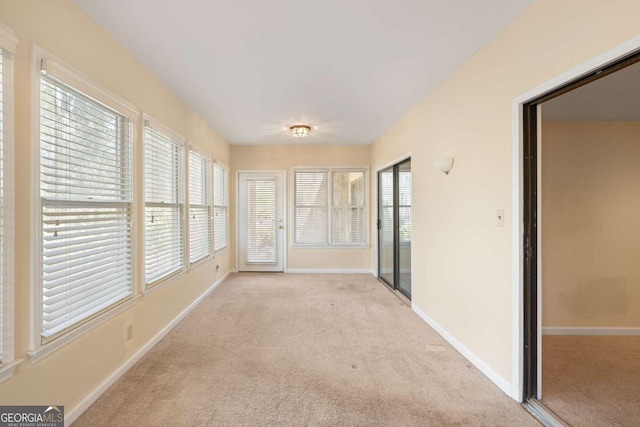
590,226
284,157
462,265
71,373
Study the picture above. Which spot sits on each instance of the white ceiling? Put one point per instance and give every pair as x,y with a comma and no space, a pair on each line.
349,68
615,97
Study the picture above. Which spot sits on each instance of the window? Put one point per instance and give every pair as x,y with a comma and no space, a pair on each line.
199,207
164,202
86,259
330,207
404,205
7,47
311,203
349,209
220,207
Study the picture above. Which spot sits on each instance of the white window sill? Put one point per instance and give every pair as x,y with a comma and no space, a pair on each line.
200,262
221,251
162,283
50,347
367,246
7,369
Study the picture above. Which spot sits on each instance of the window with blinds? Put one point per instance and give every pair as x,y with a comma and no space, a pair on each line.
86,199
199,207
220,207
404,205
330,207
349,209
261,221
311,201
164,203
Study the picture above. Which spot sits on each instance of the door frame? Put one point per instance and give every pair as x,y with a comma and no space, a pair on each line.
526,286
284,211
396,240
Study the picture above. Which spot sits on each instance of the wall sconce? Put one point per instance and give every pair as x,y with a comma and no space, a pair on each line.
444,164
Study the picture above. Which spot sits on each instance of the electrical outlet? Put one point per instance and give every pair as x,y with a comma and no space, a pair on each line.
129,332
500,217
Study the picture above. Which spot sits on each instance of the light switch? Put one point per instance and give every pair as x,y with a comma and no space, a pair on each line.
500,217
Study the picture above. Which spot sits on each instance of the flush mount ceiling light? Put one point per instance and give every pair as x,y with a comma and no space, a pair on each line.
300,131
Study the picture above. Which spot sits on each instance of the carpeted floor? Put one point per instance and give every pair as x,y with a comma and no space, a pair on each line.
303,350
592,380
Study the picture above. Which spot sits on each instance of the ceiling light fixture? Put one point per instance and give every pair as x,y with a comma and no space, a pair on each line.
300,131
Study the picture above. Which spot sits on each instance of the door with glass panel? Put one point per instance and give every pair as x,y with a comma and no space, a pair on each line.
261,224
394,227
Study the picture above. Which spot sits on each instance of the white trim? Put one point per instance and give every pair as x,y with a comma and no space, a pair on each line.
7,369
7,299
158,126
589,330
59,70
574,74
71,335
328,271
464,351
36,208
79,409
163,282
8,40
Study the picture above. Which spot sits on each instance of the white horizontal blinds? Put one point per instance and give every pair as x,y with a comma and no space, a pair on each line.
404,205
86,195
199,207
349,211
164,204
261,221
221,207
311,225
386,206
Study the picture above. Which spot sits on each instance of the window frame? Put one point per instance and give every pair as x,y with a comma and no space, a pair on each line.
163,281
8,363
225,170
203,154
43,61
330,243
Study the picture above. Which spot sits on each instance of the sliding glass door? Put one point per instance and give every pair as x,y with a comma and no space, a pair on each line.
394,227
386,256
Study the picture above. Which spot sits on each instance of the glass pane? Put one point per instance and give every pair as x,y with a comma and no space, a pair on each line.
261,222
385,233
404,225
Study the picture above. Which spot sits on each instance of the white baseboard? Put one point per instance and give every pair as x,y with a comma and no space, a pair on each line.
328,270
481,365
73,414
553,330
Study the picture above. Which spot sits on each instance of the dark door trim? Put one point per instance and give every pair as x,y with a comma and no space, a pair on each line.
396,227
529,250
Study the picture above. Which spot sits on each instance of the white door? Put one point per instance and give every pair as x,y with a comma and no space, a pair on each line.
261,222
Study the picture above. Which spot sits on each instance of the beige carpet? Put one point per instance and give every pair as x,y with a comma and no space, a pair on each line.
592,380
303,350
